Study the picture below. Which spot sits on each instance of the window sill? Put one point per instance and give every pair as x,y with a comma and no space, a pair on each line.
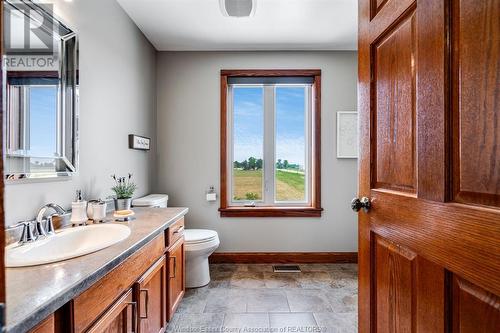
270,212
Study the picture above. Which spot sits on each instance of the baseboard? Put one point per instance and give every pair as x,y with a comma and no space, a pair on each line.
283,257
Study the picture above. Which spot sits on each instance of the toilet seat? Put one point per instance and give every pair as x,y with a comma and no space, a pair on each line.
199,236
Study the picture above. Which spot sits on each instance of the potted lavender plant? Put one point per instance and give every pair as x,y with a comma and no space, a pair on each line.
124,190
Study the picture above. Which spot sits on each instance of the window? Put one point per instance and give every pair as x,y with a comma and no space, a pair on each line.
270,143
31,120
36,105
32,101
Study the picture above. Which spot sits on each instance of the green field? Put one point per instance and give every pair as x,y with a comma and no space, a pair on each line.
247,185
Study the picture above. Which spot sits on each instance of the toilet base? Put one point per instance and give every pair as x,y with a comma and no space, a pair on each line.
197,272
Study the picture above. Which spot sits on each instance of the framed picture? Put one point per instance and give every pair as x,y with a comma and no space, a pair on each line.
347,134
138,142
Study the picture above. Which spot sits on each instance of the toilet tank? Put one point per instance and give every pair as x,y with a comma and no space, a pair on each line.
151,200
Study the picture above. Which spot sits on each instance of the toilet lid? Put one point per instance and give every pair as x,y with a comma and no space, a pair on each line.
199,235
151,200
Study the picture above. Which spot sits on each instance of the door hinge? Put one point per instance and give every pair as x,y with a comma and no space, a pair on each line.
2,317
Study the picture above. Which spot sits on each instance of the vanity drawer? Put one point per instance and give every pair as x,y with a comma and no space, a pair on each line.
175,232
93,302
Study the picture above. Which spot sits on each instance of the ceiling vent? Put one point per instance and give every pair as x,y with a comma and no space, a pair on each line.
238,8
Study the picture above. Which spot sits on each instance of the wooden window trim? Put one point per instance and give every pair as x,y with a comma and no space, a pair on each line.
315,209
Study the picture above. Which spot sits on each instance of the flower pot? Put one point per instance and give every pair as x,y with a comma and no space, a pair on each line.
123,204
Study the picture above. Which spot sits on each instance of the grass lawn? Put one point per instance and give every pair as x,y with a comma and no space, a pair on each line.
290,186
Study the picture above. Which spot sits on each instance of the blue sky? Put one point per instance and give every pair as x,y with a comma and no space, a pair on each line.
249,123
43,119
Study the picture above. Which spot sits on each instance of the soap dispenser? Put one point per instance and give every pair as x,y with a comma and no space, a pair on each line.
79,210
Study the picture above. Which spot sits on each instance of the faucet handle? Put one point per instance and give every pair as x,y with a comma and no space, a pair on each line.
49,227
40,229
27,233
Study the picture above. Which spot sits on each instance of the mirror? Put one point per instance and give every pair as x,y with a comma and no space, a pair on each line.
40,83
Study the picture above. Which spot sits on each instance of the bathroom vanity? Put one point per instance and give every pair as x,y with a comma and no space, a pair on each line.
132,286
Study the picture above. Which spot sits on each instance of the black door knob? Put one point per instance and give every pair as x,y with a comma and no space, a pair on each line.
357,204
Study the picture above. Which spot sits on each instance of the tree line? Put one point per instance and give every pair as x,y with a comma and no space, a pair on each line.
253,163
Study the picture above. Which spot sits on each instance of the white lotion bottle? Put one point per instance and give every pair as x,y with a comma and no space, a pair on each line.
79,210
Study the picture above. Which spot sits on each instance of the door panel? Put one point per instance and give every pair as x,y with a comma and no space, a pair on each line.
407,290
394,109
376,6
429,251
476,102
474,309
394,266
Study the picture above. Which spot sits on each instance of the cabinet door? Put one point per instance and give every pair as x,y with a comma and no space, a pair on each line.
176,285
120,318
150,294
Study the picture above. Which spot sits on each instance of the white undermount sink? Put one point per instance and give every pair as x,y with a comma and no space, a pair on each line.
66,244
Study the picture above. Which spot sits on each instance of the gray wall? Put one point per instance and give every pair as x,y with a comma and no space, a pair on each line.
117,97
188,158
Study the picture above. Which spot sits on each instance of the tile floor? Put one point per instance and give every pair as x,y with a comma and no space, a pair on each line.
251,298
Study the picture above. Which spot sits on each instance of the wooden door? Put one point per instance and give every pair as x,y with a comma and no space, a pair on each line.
429,103
176,282
150,294
120,318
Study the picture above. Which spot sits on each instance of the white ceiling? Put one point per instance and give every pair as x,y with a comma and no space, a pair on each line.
198,25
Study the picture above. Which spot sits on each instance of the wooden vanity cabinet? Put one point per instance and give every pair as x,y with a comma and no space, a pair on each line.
93,302
140,295
150,294
120,318
176,276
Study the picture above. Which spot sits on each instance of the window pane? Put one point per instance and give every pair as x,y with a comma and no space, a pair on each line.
248,143
290,181
42,109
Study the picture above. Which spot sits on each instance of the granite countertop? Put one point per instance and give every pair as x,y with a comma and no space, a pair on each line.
35,292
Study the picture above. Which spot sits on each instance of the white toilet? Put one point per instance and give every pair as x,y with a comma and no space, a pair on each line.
199,244
151,200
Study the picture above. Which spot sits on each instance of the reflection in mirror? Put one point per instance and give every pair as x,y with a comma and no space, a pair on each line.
41,87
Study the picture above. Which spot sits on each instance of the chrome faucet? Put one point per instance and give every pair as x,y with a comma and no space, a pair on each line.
49,228
27,233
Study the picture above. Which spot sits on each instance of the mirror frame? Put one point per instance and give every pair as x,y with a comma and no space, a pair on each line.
72,140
